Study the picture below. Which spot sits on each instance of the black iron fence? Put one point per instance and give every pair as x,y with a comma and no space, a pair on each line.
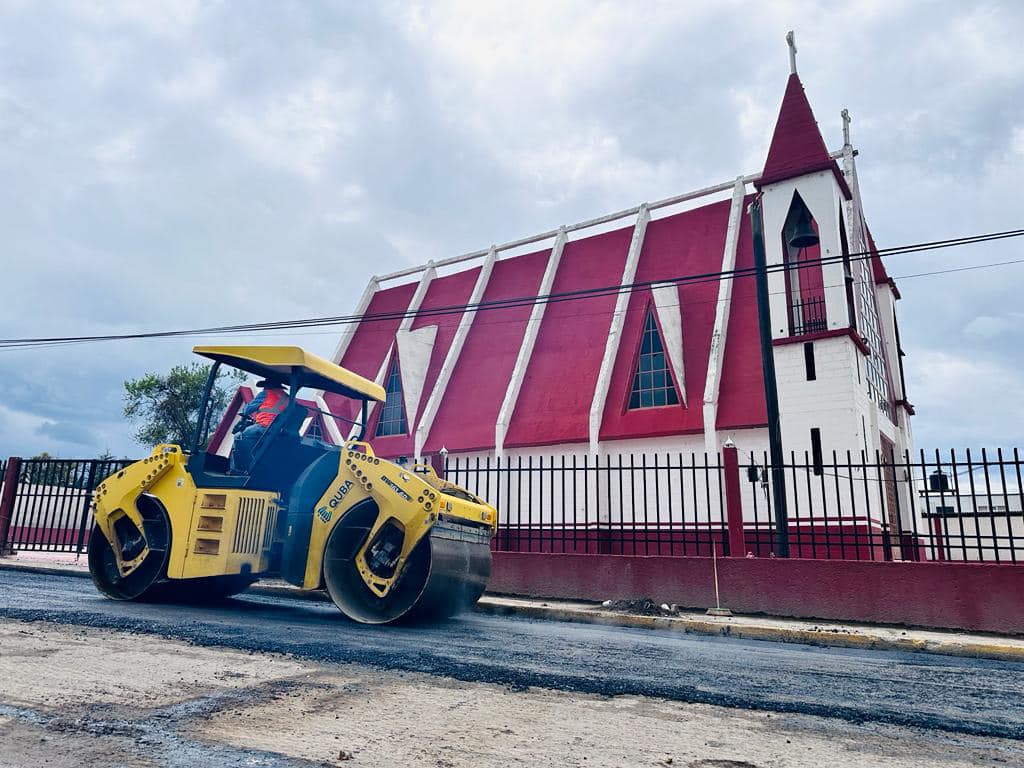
953,506
647,504
972,505
809,316
47,509
961,506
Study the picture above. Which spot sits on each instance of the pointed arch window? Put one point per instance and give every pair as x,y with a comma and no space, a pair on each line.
805,287
315,429
652,380
392,415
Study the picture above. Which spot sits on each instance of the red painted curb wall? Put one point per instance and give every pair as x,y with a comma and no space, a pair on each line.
970,596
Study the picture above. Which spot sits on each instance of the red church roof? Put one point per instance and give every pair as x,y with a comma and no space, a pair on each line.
477,386
797,147
689,243
554,402
561,376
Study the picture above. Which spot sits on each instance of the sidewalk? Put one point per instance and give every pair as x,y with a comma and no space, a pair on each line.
780,630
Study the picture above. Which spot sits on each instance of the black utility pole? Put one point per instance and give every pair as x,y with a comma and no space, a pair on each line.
771,390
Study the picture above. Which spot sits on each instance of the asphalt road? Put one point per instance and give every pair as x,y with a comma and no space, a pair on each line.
944,693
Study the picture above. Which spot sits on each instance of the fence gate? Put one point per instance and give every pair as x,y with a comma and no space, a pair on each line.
47,509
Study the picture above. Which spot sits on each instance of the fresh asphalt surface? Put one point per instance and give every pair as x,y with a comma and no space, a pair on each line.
946,693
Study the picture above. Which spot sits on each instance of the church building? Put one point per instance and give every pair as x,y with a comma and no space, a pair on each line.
473,367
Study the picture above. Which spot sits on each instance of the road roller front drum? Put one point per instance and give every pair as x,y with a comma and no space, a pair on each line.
444,574
143,582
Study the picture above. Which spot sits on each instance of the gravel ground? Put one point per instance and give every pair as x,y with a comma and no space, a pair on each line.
92,698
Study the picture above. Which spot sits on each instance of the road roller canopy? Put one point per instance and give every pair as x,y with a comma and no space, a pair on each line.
281,364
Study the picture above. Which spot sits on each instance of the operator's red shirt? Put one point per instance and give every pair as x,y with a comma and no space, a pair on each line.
274,401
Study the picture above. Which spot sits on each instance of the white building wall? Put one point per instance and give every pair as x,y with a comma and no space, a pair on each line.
837,401
823,197
836,404
975,527
666,480
563,484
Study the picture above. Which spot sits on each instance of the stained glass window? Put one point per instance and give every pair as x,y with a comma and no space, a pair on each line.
314,431
392,415
652,382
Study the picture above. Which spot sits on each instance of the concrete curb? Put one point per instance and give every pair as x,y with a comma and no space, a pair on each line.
48,570
740,627
861,639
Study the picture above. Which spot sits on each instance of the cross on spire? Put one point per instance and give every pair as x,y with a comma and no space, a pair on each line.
846,127
791,42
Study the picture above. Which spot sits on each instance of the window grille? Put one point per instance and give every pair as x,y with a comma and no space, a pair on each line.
877,370
315,432
652,382
392,415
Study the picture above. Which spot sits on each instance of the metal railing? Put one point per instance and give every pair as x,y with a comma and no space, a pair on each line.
963,506
809,316
972,505
49,504
947,507
657,504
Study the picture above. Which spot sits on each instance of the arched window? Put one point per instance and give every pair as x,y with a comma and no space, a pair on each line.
652,381
805,287
392,415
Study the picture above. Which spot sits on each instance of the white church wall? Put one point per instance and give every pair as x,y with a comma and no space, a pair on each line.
835,403
668,480
822,196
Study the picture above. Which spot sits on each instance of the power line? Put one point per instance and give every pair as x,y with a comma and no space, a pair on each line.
510,303
521,321
550,298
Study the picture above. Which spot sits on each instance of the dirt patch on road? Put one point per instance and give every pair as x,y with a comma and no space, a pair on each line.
92,698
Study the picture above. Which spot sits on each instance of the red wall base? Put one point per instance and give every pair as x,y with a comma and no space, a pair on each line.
969,596
42,538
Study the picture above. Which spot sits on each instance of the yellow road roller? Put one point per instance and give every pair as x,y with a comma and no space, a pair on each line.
386,541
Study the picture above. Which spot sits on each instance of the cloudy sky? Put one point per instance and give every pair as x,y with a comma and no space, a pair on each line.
199,163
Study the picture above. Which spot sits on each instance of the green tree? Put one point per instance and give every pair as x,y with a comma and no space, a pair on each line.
165,408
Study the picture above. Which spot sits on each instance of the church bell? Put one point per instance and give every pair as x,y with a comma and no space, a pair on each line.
803,234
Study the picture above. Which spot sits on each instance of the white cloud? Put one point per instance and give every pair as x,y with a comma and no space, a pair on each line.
199,81
754,115
988,327
561,170
119,149
297,130
963,399
348,205
167,18
524,83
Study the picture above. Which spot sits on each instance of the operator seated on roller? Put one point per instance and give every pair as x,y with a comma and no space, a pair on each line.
256,418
